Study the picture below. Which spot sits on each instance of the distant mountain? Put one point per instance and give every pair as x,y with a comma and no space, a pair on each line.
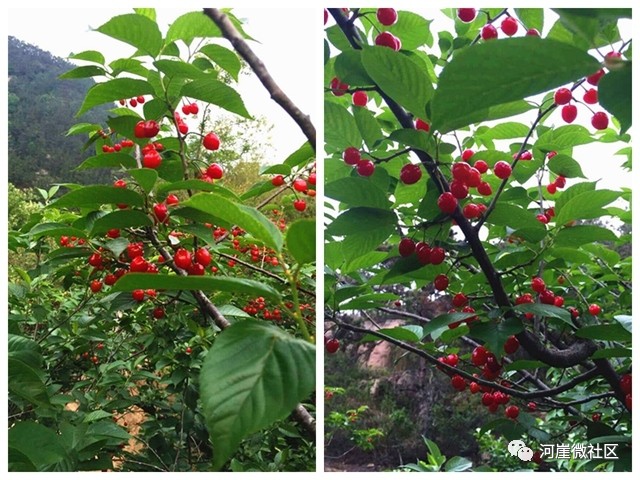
41,110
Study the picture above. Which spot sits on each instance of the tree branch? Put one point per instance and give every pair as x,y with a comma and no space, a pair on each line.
277,94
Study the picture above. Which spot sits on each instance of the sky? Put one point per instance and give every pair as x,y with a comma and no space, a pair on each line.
63,31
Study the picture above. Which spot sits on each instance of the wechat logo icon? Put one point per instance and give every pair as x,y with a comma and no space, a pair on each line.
519,449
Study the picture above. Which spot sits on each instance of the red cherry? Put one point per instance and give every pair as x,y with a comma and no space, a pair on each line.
422,125
138,265
590,96
467,154
387,39
423,252
562,96
387,16
182,258
133,102
512,411
447,203
487,399
481,166
183,128
215,171
467,14
196,269
538,285
531,406
485,189
160,211
594,309
594,78
459,300
473,178
502,169
437,255
365,168
186,109
542,218
627,401
458,383
151,128
95,260
441,282
479,356
300,205
277,181
509,26
596,417
569,113
547,297
459,189
410,174
151,159
299,185
188,350
360,98
533,32
488,32
337,87
552,188
625,383
95,286
560,181
110,279
406,247
120,184
600,121
511,345
558,301
351,156
460,171
158,313
138,130
203,257
471,210
474,387
332,345
172,199
211,141
312,178
138,295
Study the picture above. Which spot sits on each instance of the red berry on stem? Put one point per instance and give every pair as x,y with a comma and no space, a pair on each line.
138,295
299,185
458,383
471,211
277,181
511,345
211,141
387,39
481,166
590,96
332,345
447,203
562,96
594,309
365,168
338,88
467,14
600,121
509,26
360,98
387,16
151,159
533,32
502,169
625,383
538,285
436,257
459,189
203,257
96,286
441,282
172,199
351,156
489,32
410,174
406,247
215,171
422,125
182,258
512,411
160,211
485,189
569,113
300,205
594,78
459,300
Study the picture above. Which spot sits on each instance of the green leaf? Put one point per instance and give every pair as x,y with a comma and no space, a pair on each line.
583,234
566,166
178,68
192,25
412,29
445,320
512,215
571,192
84,127
254,375
340,128
357,192
410,137
301,241
361,220
506,130
564,137
301,156
508,428
145,177
41,445
130,65
51,229
137,30
97,195
214,91
614,94
616,352
96,415
406,333
25,380
613,332
586,205
458,464
225,58
85,71
134,281
527,66
543,310
120,219
108,160
89,56
367,125
399,77
196,185
113,90
368,301
531,17
249,219
349,69
495,333
625,321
